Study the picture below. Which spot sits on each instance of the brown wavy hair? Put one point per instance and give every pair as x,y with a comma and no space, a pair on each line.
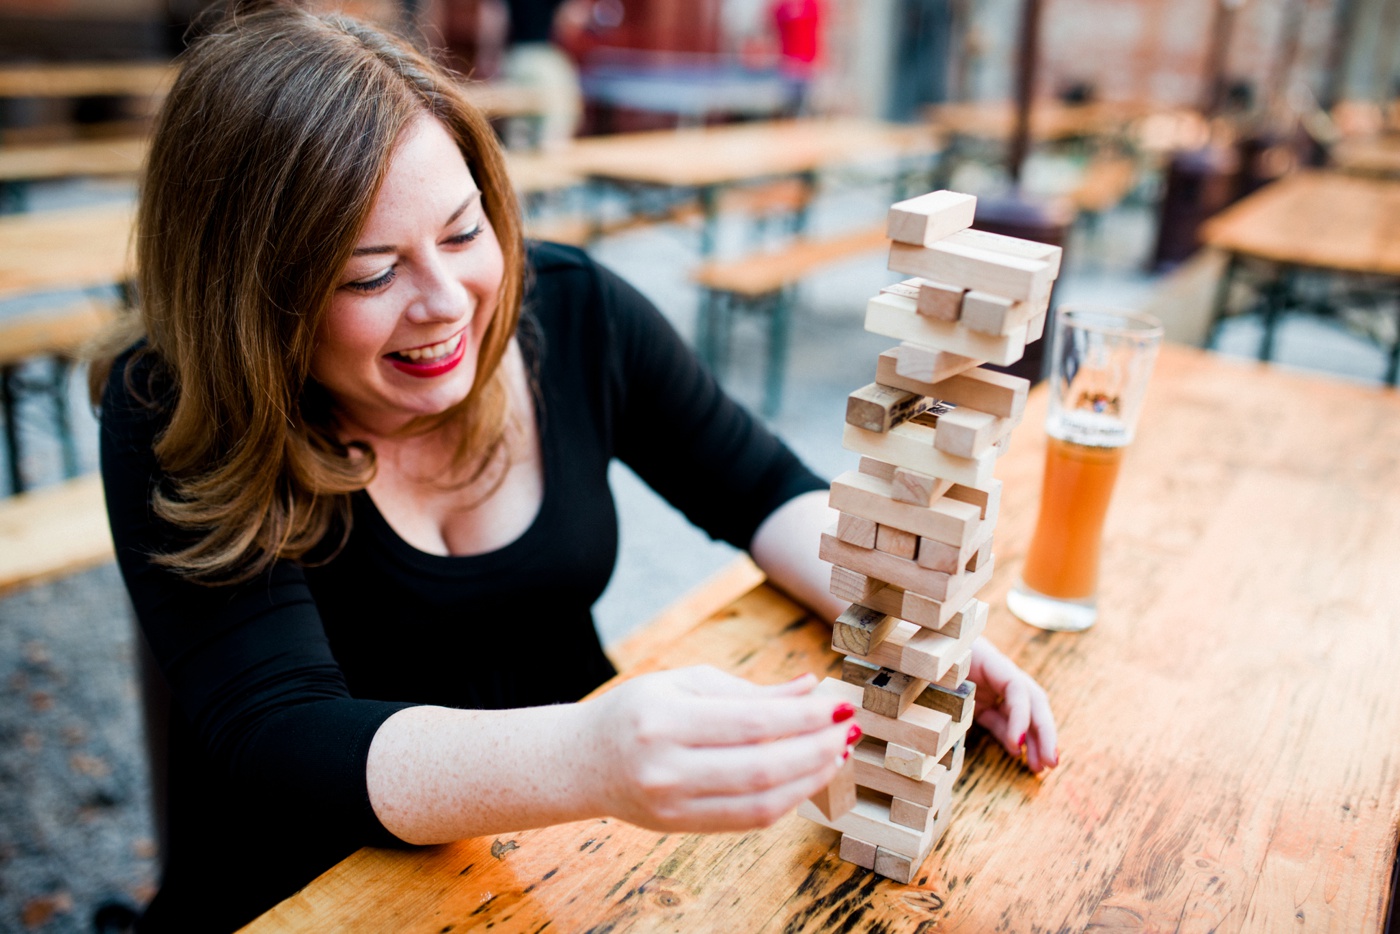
265,163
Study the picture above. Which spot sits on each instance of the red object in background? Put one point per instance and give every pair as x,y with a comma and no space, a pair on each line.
799,33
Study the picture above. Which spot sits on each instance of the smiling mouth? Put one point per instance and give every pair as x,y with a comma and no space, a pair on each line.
430,354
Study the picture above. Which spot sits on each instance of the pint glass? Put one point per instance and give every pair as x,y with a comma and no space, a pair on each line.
1100,360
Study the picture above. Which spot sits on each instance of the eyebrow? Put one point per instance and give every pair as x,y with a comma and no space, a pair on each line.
368,250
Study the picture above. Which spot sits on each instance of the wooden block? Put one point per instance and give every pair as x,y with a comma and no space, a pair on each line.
857,851
898,571
928,613
921,729
993,314
1035,329
947,520
925,654
860,629
974,266
939,301
840,795
918,365
980,557
912,445
953,759
852,586
904,869
966,432
998,394
894,316
897,542
869,757
929,218
889,692
940,556
877,468
988,500
857,672
870,820
907,762
958,703
878,408
923,367
910,814
916,489
856,530
973,613
1014,246
958,673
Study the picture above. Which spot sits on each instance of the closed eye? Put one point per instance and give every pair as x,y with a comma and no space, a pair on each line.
375,284
466,236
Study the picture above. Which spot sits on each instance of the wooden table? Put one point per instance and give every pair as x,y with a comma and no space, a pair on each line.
709,159
1320,221
99,157
1228,728
1372,155
75,248
88,79
1051,121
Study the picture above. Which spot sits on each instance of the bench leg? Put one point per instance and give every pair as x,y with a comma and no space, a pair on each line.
777,352
1276,295
9,407
1222,298
61,416
1392,370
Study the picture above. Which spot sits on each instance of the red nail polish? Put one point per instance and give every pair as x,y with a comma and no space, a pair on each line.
1022,740
845,755
854,735
843,712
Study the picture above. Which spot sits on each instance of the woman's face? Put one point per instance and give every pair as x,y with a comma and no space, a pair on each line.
406,322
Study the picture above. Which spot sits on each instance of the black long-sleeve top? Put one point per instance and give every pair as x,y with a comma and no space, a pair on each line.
280,684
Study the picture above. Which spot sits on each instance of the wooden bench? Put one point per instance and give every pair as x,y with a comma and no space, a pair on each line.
763,282
52,532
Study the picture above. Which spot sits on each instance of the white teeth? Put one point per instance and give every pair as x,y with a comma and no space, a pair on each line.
432,353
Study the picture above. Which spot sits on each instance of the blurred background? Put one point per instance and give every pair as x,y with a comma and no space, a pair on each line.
1230,165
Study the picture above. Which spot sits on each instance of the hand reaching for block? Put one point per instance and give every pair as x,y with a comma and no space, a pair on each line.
697,749
1013,707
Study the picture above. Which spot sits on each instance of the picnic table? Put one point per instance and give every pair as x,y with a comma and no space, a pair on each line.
1340,226
1228,727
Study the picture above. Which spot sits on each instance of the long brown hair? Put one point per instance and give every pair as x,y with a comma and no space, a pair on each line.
264,166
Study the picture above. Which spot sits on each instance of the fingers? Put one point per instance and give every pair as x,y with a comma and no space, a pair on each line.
730,721
735,770
1016,706
1042,751
758,809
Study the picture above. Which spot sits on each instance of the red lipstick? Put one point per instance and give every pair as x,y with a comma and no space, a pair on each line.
430,368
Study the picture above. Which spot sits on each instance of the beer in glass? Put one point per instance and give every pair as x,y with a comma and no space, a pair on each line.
1100,360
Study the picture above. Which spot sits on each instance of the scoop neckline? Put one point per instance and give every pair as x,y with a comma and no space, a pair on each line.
411,552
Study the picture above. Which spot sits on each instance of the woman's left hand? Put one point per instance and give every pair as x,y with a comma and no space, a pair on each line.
1013,707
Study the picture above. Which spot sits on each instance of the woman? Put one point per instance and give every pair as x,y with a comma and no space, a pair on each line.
359,497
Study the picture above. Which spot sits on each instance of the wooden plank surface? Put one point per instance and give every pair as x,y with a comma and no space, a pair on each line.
1326,220
72,159
1228,727
132,79
53,531
71,248
61,332
1372,155
745,151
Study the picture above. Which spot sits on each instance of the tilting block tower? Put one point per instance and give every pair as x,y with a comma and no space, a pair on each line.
913,544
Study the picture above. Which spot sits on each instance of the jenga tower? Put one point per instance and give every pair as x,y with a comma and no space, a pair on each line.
914,541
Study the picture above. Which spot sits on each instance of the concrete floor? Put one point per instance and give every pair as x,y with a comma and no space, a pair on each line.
73,813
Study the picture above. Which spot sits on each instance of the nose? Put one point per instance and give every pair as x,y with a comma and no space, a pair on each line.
441,295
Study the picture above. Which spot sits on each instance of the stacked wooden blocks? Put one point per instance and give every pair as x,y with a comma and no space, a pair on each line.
914,541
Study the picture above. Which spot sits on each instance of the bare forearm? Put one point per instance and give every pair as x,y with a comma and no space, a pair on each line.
786,545
437,774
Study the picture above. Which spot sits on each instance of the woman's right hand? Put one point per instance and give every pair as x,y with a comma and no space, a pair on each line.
696,749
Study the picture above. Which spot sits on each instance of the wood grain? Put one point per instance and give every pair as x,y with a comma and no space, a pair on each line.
1227,729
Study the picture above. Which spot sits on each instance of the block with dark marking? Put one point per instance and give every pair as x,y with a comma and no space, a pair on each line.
957,703
879,408
889,693
860,629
